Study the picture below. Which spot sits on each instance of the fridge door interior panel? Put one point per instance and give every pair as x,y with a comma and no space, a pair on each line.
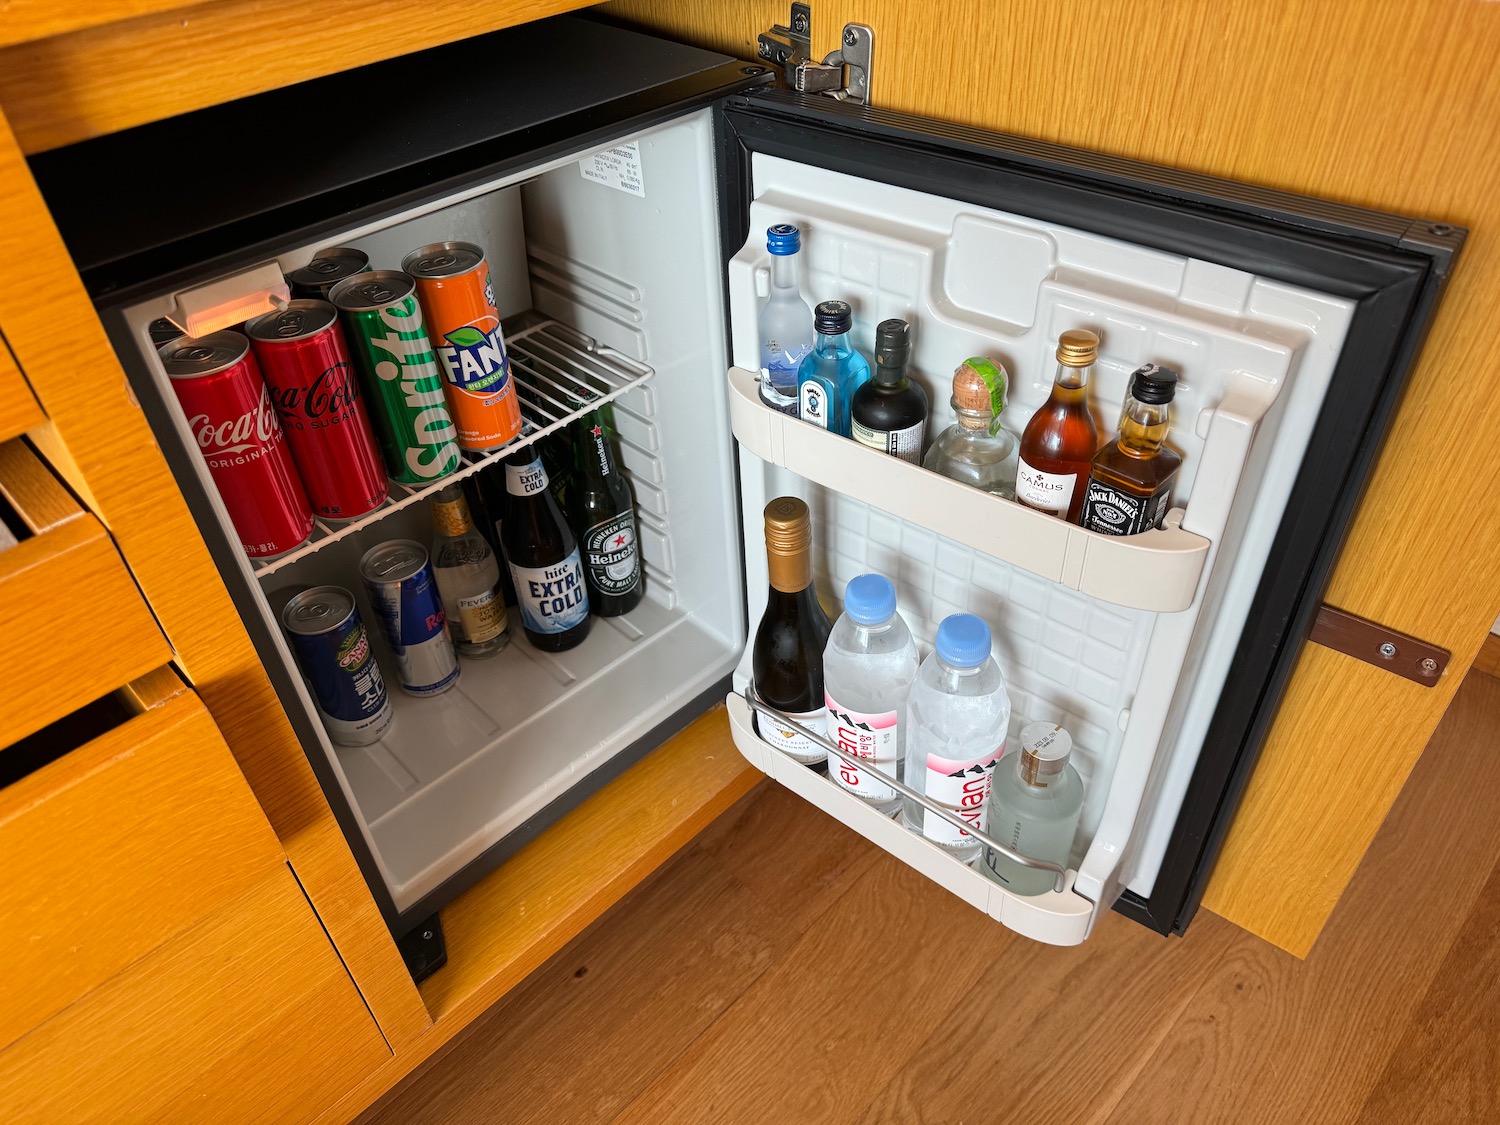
616,289
1291,323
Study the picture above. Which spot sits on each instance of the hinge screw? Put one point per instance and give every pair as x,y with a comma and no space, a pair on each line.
1429,666
799,24
1388,650
850,37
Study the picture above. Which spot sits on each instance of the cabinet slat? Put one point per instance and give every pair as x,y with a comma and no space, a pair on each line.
18,406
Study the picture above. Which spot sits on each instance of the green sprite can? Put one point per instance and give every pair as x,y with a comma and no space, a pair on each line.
399,372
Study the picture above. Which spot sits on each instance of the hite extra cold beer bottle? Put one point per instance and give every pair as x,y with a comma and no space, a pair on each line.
543,558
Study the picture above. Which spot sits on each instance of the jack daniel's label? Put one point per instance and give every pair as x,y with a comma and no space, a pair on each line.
1109,511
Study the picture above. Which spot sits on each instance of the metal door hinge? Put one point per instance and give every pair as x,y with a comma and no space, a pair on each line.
1375,644
844,74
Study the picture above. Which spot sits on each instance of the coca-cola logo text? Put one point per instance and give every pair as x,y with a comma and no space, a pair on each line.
331,393
251,431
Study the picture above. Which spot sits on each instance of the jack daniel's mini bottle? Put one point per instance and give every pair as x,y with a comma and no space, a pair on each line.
1130,482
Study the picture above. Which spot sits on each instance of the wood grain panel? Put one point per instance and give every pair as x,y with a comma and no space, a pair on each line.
37,19
99,432
31,489
1373,104
1310,1039
509,923
249,1016
108,78
116,847
49,668
19,411
1488,660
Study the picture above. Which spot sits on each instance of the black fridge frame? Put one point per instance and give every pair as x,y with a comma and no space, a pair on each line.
1393,268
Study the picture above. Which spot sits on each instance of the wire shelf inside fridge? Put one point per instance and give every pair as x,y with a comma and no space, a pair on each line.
554,366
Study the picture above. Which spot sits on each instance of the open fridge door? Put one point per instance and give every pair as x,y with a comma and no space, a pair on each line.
1291,323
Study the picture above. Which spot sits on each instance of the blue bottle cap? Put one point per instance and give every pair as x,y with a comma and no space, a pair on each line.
783,239
870,599
963,641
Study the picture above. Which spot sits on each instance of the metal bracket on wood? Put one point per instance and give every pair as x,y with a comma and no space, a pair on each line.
1385,648
843,74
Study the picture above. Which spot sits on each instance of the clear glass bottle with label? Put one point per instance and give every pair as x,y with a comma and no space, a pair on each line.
1035,804
1059,443
868,669
468,578
959,713
889,413
551,594
832,372
786,323
787,657
1130,483
975,450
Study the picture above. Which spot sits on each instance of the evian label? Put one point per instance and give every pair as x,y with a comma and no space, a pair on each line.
865,735
237,441
1046,492
428,440
961,787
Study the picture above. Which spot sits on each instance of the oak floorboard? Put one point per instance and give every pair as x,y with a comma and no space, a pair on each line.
1271,1039
1446,1069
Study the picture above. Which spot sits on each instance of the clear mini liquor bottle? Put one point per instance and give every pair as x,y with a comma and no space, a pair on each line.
468,578
975,450
786,323
1035,803
1059,443
1130,483
832,372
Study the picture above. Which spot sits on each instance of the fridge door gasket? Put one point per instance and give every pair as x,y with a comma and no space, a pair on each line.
1392,269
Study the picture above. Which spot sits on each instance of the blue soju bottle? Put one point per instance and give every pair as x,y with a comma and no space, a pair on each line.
833,371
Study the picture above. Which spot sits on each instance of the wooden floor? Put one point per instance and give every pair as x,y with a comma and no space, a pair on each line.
739,985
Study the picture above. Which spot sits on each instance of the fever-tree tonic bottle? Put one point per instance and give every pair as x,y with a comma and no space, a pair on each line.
468,577
603,514
543,557
787,660
1130,483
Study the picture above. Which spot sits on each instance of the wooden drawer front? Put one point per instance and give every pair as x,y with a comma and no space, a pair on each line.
118,846
73,622
249,1016
18,406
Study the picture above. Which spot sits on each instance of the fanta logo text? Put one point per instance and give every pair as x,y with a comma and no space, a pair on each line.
252,430
474,360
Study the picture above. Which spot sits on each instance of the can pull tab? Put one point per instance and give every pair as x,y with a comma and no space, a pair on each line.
230,300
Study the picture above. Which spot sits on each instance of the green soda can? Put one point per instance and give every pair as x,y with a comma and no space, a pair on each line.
400,375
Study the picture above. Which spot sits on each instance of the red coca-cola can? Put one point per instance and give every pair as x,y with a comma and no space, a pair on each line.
314,389
235,426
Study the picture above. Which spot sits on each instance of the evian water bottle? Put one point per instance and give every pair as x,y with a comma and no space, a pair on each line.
959,713
868,669
239,436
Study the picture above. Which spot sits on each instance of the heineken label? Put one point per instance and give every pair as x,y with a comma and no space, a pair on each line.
609,552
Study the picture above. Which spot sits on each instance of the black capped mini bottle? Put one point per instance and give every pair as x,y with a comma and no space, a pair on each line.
889,413
1130,481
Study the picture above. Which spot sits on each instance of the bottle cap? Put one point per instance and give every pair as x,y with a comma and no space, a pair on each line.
1077,347
1153,384
963,641
831,318
1044,752
892,343
783,239
870,599
788,544
979,387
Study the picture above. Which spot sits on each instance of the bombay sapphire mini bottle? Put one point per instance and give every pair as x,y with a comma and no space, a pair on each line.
832,372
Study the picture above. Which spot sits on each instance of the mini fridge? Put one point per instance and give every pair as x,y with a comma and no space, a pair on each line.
622,185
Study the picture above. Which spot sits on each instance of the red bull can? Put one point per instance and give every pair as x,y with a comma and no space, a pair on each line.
404,595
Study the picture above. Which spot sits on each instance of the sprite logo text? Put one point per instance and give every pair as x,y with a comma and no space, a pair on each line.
474,360
430,449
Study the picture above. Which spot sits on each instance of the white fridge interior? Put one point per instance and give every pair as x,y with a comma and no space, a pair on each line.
618,279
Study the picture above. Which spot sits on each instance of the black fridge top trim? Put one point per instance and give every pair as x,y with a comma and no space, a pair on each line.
381,138
1391,267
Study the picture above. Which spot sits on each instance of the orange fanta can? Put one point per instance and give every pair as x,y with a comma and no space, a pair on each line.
458,300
